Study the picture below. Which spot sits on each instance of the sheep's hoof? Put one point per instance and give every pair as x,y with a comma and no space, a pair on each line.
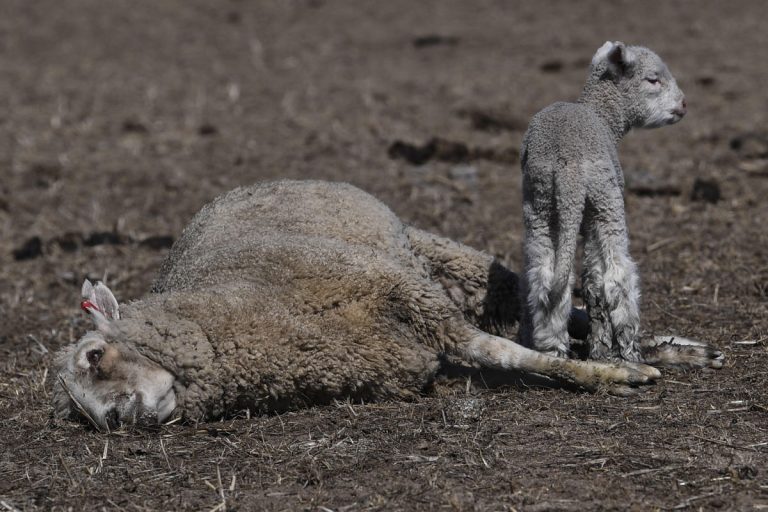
628,379
625,391
679,352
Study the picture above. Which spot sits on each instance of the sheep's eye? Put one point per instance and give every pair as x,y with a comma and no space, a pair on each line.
653,81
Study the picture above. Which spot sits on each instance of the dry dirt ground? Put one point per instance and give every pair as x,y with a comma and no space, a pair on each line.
120,119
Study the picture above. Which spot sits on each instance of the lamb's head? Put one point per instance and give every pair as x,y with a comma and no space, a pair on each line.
103,379
649,93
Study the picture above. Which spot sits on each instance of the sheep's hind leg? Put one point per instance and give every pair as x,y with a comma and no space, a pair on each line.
487,292
620,378
484,290
679,352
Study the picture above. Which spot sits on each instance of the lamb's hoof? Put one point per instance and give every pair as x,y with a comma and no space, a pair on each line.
679,352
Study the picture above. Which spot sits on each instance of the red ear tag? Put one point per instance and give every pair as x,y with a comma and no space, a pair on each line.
87,305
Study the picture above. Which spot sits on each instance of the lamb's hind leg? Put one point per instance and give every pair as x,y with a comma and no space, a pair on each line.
611,294
551,234
494,352
600,337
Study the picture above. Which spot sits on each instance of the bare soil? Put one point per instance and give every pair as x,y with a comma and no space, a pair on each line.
118,120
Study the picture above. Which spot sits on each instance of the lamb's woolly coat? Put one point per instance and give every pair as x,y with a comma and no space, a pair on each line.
573,183
291,293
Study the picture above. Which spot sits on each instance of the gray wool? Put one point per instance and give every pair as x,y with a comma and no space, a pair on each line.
573,183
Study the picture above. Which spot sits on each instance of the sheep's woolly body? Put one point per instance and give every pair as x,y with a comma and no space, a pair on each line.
291,293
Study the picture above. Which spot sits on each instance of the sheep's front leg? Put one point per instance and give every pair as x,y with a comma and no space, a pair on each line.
619,378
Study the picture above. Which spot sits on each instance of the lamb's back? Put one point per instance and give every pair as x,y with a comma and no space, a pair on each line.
565,133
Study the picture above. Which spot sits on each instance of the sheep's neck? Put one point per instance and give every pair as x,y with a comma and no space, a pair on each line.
177,344
604,97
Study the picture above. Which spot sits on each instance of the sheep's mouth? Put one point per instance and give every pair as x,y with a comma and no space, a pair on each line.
132,410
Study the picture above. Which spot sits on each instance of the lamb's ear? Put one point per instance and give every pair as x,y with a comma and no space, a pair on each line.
100,303
617,57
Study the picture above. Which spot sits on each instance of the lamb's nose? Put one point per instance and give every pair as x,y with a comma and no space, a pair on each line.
682,109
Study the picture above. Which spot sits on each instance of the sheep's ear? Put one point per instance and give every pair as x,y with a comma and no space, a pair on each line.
617,57
100,303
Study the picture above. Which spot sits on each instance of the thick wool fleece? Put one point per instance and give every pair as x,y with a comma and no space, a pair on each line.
287,294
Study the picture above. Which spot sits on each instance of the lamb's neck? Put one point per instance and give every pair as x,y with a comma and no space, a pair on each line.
606,100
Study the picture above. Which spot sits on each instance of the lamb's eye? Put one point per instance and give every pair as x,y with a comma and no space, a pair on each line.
653,81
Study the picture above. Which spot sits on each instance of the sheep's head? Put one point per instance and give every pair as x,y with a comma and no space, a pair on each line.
650,93
103,379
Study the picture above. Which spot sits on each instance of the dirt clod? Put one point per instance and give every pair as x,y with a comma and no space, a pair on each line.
493,121
435,40
448,151
551,66
704,190
30,249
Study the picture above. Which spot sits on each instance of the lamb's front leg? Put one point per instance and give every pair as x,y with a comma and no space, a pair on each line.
611,286
600,331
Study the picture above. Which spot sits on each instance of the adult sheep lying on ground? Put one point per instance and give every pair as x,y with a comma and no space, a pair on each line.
287,294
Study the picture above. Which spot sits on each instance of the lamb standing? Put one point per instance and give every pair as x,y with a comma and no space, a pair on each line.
573,182
292,293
